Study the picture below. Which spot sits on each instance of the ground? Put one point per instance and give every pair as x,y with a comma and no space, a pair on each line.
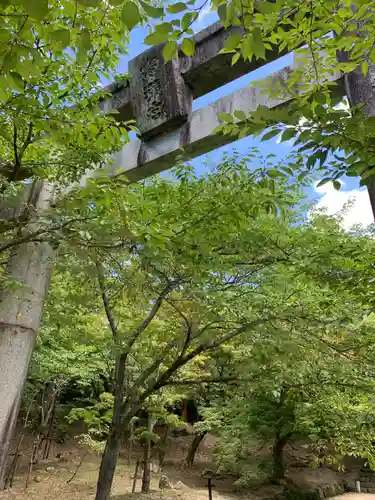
49,479
355,496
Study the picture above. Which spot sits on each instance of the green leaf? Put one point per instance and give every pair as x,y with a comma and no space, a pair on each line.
156,38
222,12
235,58
258,45
337,185
89,3
226,117
176,8
84,40
17,80
233,41
170,50
273,173
247,48
364,68
188,46
37,9
61,37
272,133
164,28
151,11
130,15
188,19
288,134
240,115
324,181
116,2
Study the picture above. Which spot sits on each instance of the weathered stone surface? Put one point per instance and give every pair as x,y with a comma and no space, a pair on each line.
208,70
140,159
160,97
118,101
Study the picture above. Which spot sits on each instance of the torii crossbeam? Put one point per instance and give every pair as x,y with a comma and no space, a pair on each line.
159,98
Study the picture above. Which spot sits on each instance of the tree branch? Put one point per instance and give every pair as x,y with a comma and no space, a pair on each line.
105,300
181,360
150,316
27,142
15,148
34,236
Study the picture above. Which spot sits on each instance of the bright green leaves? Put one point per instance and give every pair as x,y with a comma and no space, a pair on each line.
170,50
252,45
90,3
151,11
364,68
130,15
171,32
240,115
233,41
226,117
228,13
177,8
187,20
156,38
161,34
84,40
36,9
16,81
51,71
271,134
188,46
60,38
258,44
288,134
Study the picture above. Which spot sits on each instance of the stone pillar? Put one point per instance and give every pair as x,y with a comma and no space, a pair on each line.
161,99
360,89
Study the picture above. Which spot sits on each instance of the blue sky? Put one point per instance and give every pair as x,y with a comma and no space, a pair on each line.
361,212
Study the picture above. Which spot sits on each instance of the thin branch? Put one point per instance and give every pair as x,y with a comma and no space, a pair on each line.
15,148
34,235
27,142
181,360
223,380
188,325
105,300
150,316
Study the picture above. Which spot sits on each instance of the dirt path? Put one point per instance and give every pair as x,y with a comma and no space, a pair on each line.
355,496
49,482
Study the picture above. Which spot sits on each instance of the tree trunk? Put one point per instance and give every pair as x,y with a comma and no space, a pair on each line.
108,465
278,465
29,265
120,426
163,445
193,448
146,479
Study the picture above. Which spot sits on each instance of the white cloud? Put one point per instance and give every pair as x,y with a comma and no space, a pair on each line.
359,210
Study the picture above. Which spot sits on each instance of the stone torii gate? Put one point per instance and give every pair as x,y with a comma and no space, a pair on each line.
159,98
